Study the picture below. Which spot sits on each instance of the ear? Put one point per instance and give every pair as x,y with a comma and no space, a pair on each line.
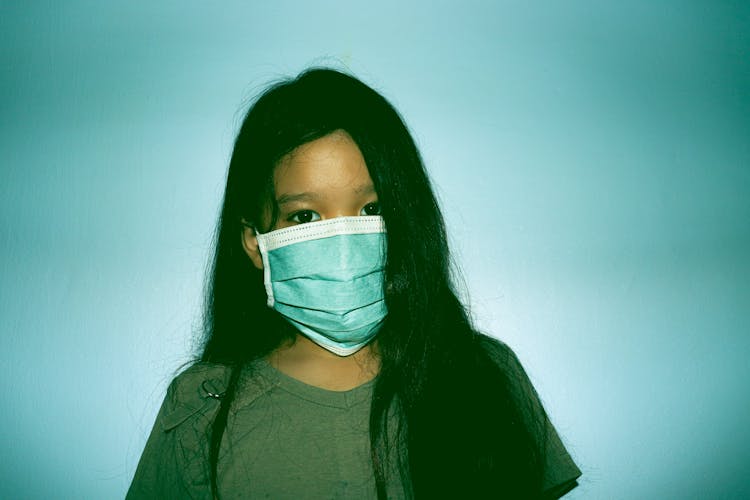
250,244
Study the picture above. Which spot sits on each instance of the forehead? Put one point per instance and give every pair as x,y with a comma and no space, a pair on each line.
332,162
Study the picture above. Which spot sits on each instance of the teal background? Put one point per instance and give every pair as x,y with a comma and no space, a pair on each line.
593,163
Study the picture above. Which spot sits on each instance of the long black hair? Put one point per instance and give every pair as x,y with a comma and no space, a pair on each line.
445,414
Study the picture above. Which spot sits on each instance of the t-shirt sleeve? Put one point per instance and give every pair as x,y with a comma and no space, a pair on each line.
174,463
560,473
157,475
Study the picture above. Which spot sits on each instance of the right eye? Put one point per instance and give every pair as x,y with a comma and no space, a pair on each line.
371,209
304,216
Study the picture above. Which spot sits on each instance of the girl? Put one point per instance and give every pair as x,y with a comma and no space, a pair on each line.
338,362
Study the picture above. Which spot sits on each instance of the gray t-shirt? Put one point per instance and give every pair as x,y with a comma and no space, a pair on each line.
284,439
296,441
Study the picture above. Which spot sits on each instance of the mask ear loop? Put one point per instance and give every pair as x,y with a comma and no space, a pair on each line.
260,238
266,266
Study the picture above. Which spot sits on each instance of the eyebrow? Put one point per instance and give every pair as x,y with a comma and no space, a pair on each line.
292,197
365,189
287,198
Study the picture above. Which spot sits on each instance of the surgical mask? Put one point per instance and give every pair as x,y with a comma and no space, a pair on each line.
326,279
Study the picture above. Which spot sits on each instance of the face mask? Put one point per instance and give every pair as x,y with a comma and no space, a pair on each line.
326,278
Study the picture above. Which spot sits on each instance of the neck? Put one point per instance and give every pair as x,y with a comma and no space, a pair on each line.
306,361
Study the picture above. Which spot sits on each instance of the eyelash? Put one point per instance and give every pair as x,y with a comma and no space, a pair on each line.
372,204
295,216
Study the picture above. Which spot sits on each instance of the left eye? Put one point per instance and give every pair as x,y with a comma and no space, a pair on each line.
371,209
304,216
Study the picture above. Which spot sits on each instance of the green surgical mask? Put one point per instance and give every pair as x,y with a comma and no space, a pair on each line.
326,279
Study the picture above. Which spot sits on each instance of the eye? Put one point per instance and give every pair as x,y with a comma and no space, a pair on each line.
304,216
371,209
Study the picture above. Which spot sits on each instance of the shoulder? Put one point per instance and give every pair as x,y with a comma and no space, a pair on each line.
192,389
198,389
502,356
497,349
200,373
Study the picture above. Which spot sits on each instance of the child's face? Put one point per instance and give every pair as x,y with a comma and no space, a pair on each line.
323,179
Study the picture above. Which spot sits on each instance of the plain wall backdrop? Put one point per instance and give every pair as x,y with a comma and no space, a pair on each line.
592,159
